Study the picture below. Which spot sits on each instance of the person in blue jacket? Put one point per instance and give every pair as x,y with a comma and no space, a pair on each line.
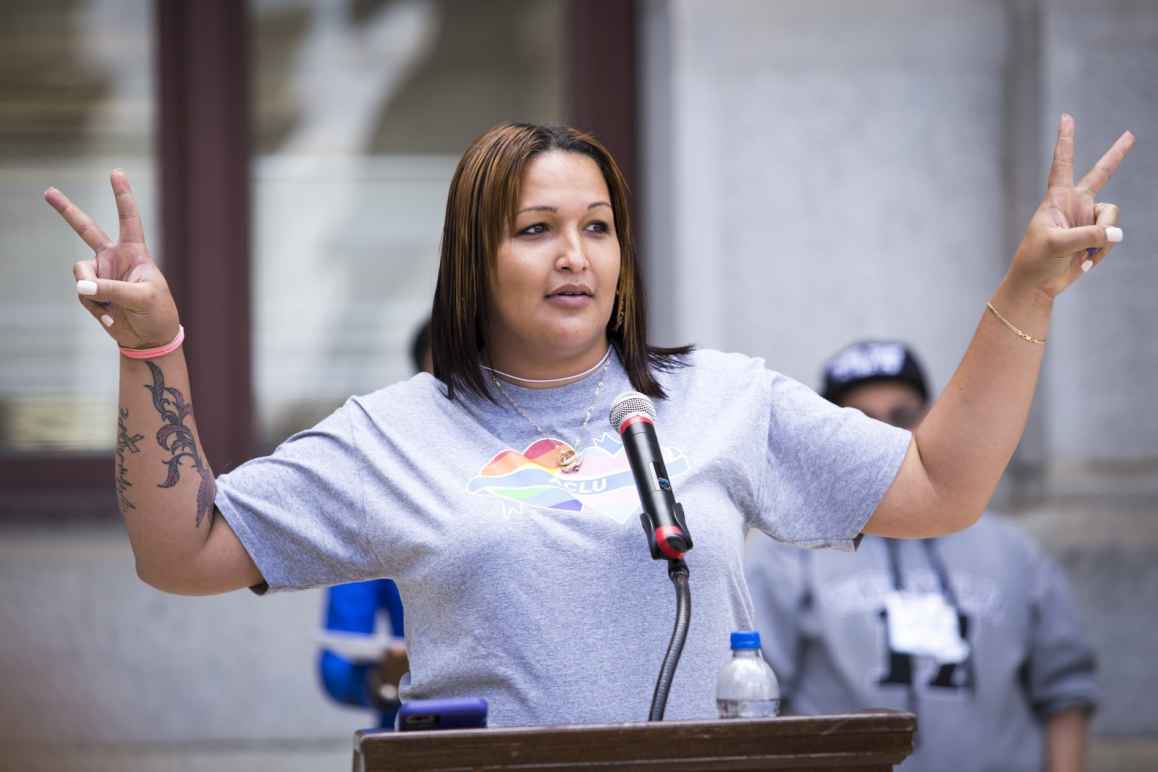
356,608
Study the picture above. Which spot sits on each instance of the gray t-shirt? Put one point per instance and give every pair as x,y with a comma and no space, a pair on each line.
532,587
823,623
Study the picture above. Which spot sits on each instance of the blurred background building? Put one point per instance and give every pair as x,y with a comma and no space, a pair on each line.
805,172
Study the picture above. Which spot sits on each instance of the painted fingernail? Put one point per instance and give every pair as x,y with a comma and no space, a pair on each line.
1087,265
86,287
1114,234
1092,251
106,320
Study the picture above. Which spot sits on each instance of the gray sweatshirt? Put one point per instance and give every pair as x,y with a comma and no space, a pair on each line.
823,623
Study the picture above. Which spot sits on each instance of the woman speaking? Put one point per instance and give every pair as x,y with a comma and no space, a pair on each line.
494,492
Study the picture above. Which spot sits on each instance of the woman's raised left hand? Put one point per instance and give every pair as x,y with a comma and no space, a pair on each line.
1070,232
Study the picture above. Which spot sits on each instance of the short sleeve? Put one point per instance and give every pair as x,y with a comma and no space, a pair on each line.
827,468
1062,668
299,512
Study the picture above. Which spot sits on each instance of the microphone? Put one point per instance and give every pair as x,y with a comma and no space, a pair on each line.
633,416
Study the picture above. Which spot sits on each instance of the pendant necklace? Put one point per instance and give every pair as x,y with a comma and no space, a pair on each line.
569,460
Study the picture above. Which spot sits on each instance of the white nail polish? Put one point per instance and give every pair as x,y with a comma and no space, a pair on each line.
86,287
1087,265
106,320
1114,234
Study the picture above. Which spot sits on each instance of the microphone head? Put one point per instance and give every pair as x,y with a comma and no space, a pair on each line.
629,403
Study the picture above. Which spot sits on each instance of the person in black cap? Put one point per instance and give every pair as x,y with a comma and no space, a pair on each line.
881,378
975,632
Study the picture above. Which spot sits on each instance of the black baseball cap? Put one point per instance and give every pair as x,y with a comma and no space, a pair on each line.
872,360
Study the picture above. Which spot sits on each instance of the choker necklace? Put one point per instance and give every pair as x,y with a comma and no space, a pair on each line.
569,460
574,377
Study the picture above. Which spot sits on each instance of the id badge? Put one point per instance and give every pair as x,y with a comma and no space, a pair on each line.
924,625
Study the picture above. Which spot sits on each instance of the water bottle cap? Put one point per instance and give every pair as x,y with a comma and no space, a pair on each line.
746,639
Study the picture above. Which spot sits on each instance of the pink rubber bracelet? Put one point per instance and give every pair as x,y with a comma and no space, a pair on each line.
160,351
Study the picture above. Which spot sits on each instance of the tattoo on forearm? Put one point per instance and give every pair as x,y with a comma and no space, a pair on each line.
177,438
125,443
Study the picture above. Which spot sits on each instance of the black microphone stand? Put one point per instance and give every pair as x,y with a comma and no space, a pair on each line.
677,571
632,415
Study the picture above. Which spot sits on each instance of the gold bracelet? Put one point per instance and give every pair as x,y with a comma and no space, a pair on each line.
1010,325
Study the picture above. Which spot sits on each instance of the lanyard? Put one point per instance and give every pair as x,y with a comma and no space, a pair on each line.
946,586
935,560
937,563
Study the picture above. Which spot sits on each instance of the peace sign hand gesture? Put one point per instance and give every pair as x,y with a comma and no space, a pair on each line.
1070,232
121,286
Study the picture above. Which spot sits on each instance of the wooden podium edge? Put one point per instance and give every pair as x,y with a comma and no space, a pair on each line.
870,740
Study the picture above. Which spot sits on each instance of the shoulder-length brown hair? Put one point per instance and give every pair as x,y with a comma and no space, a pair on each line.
480,209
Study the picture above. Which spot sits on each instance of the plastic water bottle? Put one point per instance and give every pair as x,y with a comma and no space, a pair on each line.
747,687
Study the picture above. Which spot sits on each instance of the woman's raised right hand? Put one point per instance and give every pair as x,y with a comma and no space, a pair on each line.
121,286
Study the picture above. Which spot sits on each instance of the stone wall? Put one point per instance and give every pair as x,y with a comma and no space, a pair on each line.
824,170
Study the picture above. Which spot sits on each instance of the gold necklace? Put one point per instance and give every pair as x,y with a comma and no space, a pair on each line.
569,460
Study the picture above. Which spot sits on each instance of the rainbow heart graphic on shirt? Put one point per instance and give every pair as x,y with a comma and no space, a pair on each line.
602,485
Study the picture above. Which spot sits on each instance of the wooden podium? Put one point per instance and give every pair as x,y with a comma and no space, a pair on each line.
874,740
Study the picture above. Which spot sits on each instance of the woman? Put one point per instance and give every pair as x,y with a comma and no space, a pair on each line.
491,492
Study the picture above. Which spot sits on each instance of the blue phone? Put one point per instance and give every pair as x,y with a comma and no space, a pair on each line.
452,713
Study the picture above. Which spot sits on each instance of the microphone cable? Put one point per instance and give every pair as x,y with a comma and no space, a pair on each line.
677,571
